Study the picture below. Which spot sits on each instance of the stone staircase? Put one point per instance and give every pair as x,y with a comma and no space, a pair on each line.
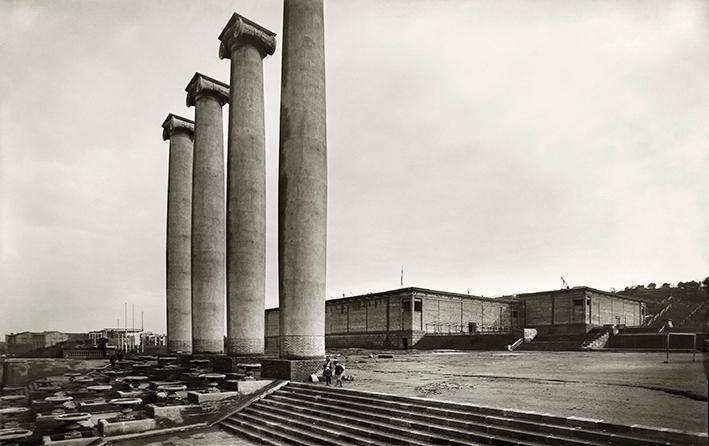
596,338
310,414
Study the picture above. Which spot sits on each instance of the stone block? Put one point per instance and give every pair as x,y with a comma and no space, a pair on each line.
198,397
235,376
192,380
223,364
226,364
291,369
95,406
46,439
251,385
155,384
174,414
167,373
231,384
112,428
131,394
168,359
184,360
96,417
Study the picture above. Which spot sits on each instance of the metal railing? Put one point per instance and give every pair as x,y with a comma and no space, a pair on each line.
471,328
86,354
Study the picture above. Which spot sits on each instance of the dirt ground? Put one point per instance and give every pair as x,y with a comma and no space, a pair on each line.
626,388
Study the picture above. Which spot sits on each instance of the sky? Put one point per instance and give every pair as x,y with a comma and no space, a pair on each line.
485,147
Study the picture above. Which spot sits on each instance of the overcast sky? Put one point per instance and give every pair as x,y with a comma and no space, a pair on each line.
486,146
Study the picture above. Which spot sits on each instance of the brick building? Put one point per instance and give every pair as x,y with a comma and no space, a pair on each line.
400,318
577,310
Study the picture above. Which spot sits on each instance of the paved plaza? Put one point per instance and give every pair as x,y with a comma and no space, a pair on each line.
625,388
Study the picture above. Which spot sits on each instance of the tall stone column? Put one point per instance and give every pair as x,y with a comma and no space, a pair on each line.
302,183
246,44
208,95
180,132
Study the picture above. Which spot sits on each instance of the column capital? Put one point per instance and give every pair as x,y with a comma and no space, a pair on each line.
204,85
174,123
240,30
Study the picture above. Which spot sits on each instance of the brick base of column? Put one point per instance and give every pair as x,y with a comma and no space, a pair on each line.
208,346
291,369
179,346
244,346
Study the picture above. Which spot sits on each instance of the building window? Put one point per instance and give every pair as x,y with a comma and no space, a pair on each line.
418,304
578,302
514,313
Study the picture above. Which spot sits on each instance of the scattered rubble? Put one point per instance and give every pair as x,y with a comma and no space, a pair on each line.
437,388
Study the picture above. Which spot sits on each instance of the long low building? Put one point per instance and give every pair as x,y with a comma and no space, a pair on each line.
28,341
578,309
398,319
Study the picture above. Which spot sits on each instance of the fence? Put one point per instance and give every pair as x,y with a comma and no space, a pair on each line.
471,328
86,353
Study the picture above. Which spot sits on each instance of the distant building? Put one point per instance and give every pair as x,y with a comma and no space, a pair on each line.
27,341
150,339
126,339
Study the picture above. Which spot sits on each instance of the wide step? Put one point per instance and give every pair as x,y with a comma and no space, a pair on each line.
482,430
342,429
309,414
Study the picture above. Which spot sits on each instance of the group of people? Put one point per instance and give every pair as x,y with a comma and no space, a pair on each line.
333,367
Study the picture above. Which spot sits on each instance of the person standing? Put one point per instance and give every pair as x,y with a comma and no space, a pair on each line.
327,373
339,373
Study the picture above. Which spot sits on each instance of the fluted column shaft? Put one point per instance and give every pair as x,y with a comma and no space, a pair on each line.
208,228
246,44
302,182
180,132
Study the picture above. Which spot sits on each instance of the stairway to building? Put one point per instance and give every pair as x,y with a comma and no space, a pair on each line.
563,342
311,414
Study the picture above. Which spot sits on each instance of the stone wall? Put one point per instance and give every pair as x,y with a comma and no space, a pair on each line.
20,372
366,340
654,341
